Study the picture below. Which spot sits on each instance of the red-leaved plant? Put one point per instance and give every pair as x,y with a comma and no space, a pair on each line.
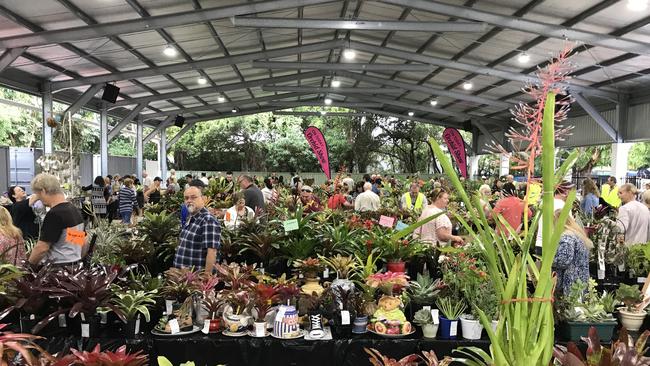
624,352
426,359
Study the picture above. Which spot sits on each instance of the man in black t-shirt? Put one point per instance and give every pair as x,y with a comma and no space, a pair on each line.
62,238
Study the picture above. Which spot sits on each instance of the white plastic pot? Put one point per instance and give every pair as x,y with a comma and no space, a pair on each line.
430,330
260,329
632,320
471,328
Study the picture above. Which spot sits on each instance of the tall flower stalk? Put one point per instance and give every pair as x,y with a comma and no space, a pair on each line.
525,333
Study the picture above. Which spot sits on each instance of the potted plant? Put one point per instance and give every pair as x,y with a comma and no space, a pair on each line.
309,268
27,296
424,319
625,351
180,283
133,304
451,308
343,266
632,315
213,305
638,260
335,301
422,291
581,309
310,305
265,295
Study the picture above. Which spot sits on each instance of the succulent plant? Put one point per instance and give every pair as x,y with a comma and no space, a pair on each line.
423,317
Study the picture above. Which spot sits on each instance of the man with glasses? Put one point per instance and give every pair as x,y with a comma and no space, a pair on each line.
200,237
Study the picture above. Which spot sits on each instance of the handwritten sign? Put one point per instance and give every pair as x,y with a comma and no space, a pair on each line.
318,144
75,237
290,225
400,226
456,147
386,221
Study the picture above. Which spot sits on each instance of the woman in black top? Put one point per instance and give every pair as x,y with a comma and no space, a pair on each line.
99,196
22,214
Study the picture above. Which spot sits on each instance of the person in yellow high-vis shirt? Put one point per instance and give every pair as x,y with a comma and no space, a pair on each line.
609,192
413,199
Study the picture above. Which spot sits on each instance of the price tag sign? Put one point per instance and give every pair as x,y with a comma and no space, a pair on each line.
175,328
169,306
400,226
640,280
386,221
434,315
85,330
206,326
326,273
427,307
601,274
62,321
453,328
75,237
290,225
345,317
137,325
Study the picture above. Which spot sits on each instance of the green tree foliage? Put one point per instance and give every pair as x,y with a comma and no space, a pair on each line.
639,156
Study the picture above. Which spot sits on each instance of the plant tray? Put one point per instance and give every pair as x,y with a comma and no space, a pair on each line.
573,331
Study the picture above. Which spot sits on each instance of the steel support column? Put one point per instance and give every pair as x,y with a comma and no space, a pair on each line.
103,140
47,113
622,110
163,155
138,149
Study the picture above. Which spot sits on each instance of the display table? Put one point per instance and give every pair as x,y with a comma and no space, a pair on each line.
218,349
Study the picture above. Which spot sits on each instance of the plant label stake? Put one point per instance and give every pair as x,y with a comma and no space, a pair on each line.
206,326
435,316
85,330
345,317
290,225
173,325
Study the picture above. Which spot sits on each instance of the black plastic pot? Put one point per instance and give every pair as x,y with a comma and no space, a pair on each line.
132,328
574,331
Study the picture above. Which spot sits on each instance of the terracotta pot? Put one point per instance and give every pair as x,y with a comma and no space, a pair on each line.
396,266
215,325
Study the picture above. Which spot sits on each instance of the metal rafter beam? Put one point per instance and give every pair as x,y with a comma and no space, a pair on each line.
154,22
160,128
125,121
593,112
485,131
225,106
482,70
185,66
328,114
83,99
10,55
280,65
413,118
218,89
425,89
525,25
316,89
310,103
381,25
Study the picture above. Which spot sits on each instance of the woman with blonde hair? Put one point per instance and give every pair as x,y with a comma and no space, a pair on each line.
571,261
12,246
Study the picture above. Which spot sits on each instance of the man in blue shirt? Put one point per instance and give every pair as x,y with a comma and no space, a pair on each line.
200,238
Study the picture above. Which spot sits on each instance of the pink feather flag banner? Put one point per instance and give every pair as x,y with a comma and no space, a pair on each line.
456,146
318,144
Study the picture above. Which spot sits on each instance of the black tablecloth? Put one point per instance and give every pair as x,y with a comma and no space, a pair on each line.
214,349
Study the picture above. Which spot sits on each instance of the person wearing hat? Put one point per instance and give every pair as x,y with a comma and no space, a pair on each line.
559,199
152,195
310,202
413,200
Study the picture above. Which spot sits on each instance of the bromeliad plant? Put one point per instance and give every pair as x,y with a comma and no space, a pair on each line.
525,332
131,303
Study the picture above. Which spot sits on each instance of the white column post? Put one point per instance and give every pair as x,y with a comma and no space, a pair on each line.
473,165
47,113
163,155
103,140
504,165
620,152
138,149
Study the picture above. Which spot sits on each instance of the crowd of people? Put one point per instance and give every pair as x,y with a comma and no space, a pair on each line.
57,226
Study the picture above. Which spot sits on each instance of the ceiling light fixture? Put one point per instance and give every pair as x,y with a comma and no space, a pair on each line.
468,85
434,102
221,99
328,101
322,113
201,80
349,54
523,58
637,5
411,114
234,110
336,83
170,51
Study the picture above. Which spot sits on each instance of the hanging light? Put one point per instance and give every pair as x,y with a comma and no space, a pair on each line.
434,102
322,113
170,51
221,99
523,58
411,113
234,110
201,80
468,85
637,5
336,83
349,54
328,101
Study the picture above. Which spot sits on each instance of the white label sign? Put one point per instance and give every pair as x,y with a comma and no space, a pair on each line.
345,317
453,328
62,321
206,326
85,330
173,324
